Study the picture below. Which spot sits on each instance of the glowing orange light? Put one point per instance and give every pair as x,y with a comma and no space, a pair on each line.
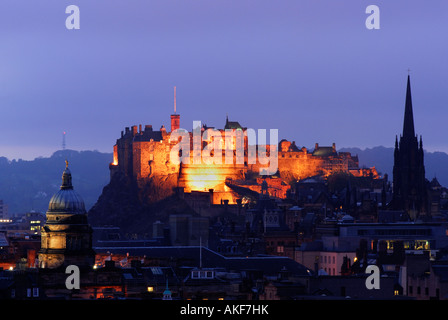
115,162
204,177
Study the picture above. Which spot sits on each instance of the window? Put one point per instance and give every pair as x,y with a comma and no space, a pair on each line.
157,271
196,274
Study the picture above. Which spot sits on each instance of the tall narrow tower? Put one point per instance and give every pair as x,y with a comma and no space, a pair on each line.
409,183
175,118
63,140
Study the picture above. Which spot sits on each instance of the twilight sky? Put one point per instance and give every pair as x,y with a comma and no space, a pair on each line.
309,68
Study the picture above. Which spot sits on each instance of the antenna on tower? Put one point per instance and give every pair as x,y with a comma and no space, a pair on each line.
63,140
174,99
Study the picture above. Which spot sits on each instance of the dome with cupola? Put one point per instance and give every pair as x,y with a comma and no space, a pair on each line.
66,200
66,237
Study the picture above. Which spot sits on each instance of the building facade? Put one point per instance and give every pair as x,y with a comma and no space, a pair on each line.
66,237
145,156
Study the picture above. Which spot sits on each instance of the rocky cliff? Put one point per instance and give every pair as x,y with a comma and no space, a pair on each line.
135,208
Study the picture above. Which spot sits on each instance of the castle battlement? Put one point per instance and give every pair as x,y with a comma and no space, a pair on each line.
144,154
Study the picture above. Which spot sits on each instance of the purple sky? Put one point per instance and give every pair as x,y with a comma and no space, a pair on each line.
309,68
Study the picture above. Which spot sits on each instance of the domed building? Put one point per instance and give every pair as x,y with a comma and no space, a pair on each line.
66,237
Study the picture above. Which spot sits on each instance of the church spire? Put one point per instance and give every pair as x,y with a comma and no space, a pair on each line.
408,125
409,186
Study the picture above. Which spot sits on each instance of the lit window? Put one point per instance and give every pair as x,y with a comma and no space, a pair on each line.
150,289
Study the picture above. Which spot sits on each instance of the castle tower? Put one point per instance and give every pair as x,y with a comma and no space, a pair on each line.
409,183
175,118
66,237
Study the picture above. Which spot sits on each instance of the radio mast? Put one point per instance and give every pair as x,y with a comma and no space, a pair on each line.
63,140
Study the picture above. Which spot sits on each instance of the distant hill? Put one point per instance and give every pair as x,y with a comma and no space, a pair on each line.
29,185
436,163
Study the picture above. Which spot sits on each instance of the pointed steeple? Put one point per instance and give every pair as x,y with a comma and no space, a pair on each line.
409,186
408,125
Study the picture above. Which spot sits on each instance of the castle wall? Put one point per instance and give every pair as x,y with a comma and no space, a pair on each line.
295,166
152,158
145,156
124,152
205,177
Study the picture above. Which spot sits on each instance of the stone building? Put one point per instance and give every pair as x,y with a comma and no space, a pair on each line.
426,279
143,155
410,192
66,238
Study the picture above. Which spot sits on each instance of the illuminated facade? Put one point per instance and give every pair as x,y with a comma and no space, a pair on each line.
144,155
66,238
427,237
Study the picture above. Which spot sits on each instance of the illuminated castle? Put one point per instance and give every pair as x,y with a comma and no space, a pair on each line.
144,155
